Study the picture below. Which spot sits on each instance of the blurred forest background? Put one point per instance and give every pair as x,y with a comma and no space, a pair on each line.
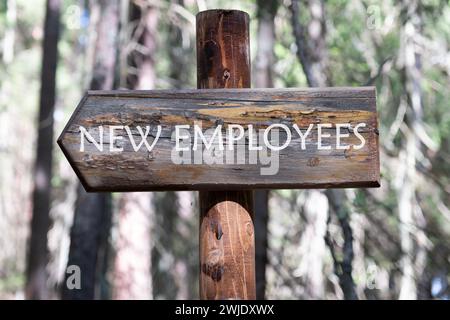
386,243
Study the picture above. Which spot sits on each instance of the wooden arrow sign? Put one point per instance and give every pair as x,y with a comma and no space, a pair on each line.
228,138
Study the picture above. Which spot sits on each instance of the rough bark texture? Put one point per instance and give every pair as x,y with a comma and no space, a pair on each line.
90,230
263,78
227,245
36,286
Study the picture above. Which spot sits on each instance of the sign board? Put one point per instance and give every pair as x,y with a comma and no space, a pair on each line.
224,139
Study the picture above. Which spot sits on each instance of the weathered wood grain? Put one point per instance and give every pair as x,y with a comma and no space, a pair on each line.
144,171
227,240
227,245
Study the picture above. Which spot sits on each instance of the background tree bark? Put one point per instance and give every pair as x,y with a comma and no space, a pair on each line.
92,220
36,286
412,222
263,78
311,52
133,262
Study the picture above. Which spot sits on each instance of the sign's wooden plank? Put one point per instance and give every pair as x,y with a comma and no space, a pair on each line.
353,161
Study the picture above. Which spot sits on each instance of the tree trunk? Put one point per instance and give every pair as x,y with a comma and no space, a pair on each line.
411,224
133,263
10,31
173,277
312,54
263,78
91,226
36,286
180,51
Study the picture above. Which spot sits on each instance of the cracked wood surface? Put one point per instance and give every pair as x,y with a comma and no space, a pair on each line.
147,171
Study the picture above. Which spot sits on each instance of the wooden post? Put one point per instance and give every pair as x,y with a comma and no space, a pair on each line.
227,246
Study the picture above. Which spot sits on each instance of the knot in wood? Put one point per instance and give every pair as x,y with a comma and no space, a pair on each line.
226,74
212,266
313,162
